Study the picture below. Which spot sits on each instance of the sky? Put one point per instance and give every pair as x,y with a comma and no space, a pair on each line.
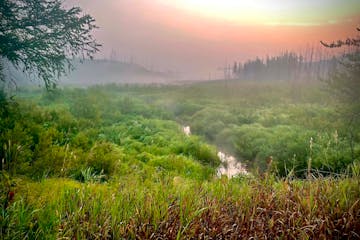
198,37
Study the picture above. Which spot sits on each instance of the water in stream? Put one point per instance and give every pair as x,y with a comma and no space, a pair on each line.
229,166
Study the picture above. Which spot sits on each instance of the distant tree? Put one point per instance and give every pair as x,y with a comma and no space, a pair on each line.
344,83
235,68
41,37
340,43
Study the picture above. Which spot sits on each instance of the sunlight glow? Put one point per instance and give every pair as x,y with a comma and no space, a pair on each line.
232,10
268,12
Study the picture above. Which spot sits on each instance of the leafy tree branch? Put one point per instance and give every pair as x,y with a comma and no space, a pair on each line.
41,37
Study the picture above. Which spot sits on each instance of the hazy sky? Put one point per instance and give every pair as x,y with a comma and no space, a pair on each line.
198,36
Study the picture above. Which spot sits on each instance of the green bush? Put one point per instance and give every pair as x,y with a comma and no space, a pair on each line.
331,153
15,149
181,165
288,146
203,153
103,158
49,156
84,107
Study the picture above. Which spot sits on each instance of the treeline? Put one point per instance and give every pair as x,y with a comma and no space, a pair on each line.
287,66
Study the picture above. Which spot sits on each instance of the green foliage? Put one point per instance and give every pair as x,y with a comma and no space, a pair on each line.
88,175
6,186
40,37
64,133
211,120
344,83
103,158
84,107
15,149
135,174
254,121
185,108
86,133
176,207
199,151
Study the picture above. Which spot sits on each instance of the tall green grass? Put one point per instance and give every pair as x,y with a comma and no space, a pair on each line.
179,208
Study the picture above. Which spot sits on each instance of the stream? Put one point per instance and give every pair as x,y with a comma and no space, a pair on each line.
229,166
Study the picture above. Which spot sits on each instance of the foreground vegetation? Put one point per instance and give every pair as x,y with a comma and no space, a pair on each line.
169,208
112,162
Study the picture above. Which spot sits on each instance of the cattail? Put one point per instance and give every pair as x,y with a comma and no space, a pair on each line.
269,160
310,159
336,136
11,195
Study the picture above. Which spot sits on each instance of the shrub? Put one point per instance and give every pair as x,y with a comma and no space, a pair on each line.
199,151
15,149
103,158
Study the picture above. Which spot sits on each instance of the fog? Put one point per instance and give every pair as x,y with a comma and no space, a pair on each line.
179,119
164,38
